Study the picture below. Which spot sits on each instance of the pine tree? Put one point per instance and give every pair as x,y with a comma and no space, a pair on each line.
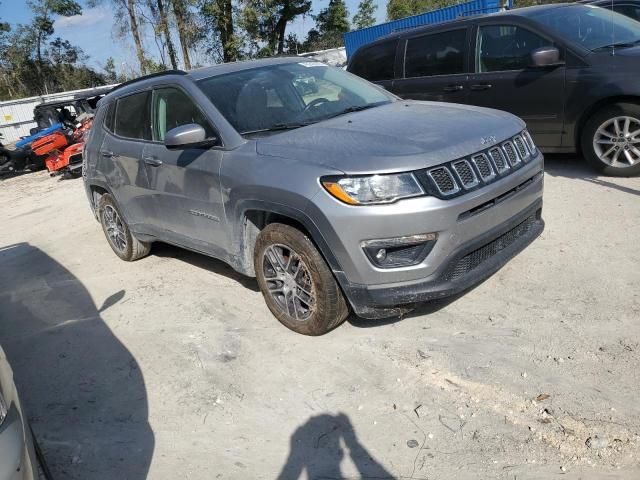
365,16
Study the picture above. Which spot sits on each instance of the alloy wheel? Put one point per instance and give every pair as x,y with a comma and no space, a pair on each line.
115,228
617,142
289,281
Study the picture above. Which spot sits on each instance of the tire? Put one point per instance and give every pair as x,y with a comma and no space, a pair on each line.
601,127
120,239
308,279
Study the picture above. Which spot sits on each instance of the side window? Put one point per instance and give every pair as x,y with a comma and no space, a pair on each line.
173,108
437,54
631,11
506,47
109,116
132,116
376,62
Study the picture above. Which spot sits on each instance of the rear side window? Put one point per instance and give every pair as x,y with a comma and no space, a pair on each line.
109,116
132,116
376,62
632,11
506,47
437,54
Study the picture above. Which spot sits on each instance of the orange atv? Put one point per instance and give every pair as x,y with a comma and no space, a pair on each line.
64,150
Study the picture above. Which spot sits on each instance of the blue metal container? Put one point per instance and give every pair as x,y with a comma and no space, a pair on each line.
355,39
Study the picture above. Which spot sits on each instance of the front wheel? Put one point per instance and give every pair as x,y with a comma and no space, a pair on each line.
296,282
611,140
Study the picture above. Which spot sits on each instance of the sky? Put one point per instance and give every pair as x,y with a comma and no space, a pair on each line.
93,30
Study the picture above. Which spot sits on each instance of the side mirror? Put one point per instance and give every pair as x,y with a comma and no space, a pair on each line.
187,136
545,57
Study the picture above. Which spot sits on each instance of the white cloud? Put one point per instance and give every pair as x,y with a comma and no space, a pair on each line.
90,16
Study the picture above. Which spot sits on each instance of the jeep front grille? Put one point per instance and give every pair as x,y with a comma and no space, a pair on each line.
464,174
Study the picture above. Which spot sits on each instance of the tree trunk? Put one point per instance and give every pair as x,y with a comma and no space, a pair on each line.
164,26
226,31
133,21
181,21
281,28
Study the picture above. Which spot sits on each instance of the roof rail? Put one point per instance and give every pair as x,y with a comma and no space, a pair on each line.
144,77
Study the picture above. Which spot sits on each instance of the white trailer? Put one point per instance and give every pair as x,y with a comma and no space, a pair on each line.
16,116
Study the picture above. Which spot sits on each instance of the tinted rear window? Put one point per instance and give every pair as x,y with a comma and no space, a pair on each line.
109,116
132,116
437,54
376,62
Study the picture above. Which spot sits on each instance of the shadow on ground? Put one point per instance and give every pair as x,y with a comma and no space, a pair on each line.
318,448
205,262
82,388
572,166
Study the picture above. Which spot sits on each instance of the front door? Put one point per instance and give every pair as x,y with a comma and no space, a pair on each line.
185,182
435,67
504,79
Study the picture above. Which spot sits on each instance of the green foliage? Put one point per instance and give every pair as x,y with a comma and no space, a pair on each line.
331,23
30,64
366,14
266,20
404,8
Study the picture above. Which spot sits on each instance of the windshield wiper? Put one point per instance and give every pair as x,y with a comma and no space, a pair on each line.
279,126
353,108
618,45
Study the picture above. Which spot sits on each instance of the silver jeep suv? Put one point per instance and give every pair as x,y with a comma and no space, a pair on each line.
332,192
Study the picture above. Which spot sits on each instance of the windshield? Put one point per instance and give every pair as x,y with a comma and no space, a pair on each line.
289,95
591,27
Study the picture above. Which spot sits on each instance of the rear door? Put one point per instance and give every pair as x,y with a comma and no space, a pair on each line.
504,79
185,182
127,126
435,67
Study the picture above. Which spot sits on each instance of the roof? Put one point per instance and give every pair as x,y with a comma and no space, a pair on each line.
516,12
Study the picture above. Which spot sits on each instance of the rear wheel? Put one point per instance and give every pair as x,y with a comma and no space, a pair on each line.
611,140
296,282
120,239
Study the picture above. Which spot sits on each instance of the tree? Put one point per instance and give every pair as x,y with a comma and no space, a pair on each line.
185,26
404,8
331,23
111,76
162,22
266,20
218,17
365,16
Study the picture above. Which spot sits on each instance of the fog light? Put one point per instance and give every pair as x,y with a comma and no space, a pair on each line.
399,251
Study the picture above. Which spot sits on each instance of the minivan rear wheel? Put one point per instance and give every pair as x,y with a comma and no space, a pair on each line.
120,239
296,282
611,140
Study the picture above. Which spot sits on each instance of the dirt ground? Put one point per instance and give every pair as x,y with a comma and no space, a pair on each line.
172,367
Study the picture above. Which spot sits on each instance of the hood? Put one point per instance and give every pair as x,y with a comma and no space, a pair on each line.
400,136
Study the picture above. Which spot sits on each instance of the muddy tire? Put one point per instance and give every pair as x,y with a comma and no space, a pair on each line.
296,282
611,140
120,239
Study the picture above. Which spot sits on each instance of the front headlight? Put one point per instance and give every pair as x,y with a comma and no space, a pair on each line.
373,189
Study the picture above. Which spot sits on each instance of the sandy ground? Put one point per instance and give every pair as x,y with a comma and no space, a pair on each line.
172,367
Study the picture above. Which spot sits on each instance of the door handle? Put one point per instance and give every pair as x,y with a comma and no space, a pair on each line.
481,86
109,154
453,88
153,161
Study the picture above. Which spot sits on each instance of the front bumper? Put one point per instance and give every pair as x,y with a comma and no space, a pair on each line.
470,264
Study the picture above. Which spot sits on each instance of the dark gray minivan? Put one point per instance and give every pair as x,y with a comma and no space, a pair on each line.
570,71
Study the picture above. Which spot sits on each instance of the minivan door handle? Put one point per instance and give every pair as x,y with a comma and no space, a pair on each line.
453,88
153,161
480,86
108,154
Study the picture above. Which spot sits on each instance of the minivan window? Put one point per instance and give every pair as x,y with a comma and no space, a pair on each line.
437,54
375,63
172,108
132,116
590,27
109,116
506,47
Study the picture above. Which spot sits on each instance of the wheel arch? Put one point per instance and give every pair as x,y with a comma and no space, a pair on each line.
595,107
257,215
